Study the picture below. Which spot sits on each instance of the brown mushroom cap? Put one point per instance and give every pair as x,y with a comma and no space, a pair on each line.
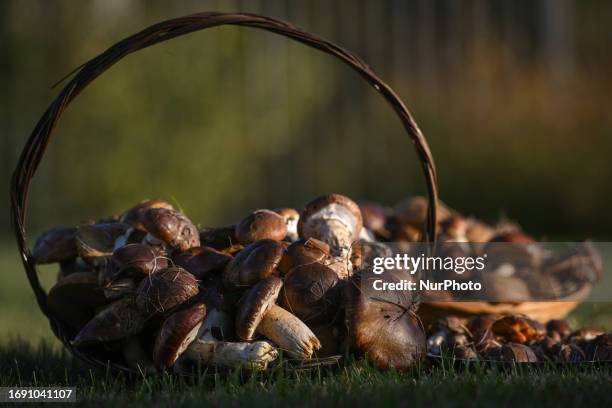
172,227
374,217
135,215
302,253
311,292
163,290
330,207
254,305
75,297
413,211
56,245
261,224
255,262
202,261
176,333
219,238
118,320
99,240
139,258
389,333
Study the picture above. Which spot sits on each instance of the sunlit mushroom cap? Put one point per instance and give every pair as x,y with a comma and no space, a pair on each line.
311,292
254,305
255,262
139,258
56,245
331,207
261,224
172,227
303,252
135,215
176,333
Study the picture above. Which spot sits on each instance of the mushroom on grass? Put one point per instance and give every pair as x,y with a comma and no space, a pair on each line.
258,313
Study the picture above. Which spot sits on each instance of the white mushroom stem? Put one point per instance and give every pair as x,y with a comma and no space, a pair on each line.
289,332
222,354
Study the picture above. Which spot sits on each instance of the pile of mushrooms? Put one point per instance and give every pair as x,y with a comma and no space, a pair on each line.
155,292
516,338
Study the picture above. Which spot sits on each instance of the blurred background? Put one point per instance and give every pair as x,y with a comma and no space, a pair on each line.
513,96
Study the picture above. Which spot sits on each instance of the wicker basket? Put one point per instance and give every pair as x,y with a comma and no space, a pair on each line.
41,135
430,312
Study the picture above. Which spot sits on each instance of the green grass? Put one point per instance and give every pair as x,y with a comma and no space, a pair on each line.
30,355
357,384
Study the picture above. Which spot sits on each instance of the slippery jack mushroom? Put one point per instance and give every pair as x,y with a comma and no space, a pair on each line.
333,219
75,297
213,347
176,334
261,224
201,262
255,262
135,216
56,245
95,242
302,253
172,228
388,332
164,290
139,259
311,292
117,321
258,313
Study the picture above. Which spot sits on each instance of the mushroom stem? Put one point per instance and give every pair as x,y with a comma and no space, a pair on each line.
255,356
289,332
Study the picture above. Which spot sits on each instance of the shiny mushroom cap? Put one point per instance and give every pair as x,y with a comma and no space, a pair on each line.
303,252
333,219
171,227
253,307
388,333
202,261
139,259
311,292
261,224
255,262
135,215
176,333
165,289
56,245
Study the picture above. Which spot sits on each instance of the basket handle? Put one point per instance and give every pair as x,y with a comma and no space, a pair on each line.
41,135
